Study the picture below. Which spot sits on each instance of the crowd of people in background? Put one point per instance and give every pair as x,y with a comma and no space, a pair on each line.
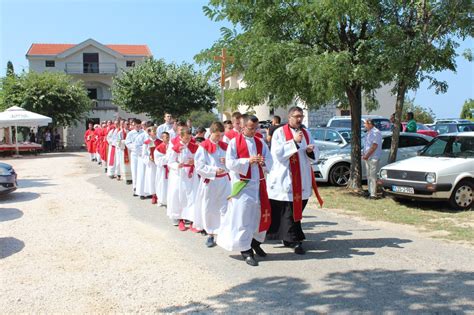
227,181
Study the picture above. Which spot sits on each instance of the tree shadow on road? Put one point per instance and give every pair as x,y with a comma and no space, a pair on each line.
378,291
10,246
8,214
18,197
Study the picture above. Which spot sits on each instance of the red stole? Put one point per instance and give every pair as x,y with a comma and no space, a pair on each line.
211,147
112,153
258,135
296,182
243,152
231,134
162,149
126,158
192,147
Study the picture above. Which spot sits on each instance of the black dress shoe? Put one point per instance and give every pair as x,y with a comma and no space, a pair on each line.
251,261
135,195
288,244
128,182
299,250
258,250
142,197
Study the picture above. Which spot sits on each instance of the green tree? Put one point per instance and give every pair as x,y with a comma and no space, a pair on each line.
10,69
155,87
53,94
422,115
201,118
314,51
468,109
417,39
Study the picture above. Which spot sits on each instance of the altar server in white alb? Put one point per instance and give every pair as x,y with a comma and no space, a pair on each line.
248,215
112,153
162,171
139,140
182,179
167,126
123,153
148,155
129,142
214,184
291,180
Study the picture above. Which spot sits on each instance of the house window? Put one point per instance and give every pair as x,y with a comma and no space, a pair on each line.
49,63
130,63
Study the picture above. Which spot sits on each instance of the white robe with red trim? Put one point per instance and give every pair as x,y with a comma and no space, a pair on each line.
241,221
160,180
279,180
212,192
181,187
150,168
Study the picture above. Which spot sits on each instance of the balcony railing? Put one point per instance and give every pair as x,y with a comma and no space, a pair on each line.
103,104
91,68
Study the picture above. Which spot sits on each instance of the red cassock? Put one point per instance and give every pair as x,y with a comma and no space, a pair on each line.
89,139
97,137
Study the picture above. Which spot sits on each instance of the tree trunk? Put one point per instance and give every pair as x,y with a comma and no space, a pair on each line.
401,91
354,94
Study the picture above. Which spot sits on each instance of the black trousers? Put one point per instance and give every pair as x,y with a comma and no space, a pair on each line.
283,225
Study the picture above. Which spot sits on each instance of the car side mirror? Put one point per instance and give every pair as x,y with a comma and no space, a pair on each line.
338,141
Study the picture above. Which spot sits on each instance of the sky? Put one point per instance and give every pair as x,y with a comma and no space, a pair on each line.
175,30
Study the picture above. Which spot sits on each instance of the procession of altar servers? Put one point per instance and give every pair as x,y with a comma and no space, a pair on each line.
194,181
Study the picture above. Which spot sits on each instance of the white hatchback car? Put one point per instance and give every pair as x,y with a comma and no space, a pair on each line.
444,170
334,166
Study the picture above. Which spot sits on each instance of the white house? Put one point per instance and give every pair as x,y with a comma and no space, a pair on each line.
313,118
95,64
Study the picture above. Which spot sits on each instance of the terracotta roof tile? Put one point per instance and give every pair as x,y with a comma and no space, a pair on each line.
56,49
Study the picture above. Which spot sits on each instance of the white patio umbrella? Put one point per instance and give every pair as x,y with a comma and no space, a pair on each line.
17,116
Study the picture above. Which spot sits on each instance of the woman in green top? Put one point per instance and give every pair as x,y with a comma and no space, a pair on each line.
411,123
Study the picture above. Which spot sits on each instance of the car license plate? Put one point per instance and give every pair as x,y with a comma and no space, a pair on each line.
402,189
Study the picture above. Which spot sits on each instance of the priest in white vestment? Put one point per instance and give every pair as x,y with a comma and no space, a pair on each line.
244,224
290,181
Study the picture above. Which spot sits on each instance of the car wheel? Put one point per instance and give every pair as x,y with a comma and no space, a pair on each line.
340,174
463,195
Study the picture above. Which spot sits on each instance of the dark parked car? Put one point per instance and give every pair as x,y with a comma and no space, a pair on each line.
7,179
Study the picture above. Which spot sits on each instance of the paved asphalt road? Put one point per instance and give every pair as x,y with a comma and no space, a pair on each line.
350,266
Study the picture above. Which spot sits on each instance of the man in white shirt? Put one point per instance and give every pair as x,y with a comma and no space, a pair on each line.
371,153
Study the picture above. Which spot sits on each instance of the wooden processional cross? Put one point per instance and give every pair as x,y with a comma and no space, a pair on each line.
223,58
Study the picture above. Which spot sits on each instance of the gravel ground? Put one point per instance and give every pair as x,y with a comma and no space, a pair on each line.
71,240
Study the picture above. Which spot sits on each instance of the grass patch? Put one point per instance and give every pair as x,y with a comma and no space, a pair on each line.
433,217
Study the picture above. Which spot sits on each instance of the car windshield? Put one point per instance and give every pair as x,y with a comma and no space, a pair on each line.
382,124
465,127
450,146
346,134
